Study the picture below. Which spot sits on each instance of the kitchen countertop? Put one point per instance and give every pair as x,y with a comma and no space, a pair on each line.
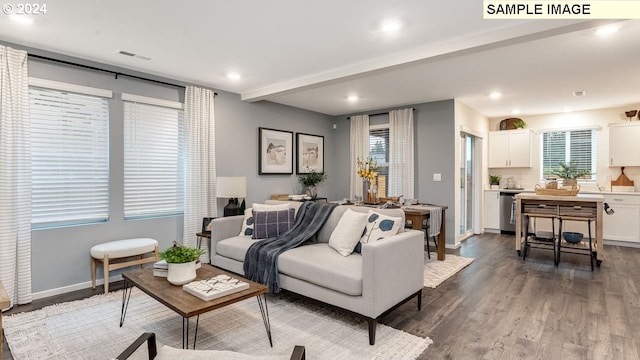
515,191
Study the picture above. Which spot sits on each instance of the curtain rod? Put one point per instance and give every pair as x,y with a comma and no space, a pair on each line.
116,73
382,113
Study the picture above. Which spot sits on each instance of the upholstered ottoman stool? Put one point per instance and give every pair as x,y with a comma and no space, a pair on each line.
117,255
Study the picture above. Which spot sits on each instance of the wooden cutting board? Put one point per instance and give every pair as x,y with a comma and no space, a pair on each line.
622,180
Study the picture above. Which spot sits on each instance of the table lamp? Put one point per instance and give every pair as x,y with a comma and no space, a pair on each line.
232,188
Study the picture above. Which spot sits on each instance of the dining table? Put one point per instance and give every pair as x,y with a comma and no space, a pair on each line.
419,213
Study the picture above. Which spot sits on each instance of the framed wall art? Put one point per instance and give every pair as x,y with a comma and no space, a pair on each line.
275,151
309,153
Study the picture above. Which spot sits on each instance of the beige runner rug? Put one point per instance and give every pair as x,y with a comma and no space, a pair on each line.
88,329
435,272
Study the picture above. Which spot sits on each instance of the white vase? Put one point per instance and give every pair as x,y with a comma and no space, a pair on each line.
180,274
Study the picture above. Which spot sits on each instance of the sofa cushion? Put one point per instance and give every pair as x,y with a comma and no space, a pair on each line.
235,247
267,224
323,266
348,232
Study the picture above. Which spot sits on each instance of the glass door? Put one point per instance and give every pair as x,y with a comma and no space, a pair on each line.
467,183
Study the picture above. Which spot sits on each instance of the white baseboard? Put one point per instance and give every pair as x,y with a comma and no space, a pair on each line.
622,243
74,287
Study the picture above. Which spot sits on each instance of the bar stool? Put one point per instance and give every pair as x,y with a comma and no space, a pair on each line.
540,239
578,248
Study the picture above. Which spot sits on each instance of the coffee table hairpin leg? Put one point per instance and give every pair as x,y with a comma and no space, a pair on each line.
185,332
264,311
126,295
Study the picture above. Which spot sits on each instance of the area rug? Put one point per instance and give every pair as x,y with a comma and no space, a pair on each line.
436,272
88,329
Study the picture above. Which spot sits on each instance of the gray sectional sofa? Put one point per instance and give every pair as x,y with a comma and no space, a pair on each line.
386,273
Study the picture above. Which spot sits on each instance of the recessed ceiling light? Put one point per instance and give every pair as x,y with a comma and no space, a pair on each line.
607,30
233,76
515,112
352,98
391,26
579,93
495,95
22,19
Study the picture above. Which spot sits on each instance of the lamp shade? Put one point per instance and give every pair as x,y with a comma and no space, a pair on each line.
231,187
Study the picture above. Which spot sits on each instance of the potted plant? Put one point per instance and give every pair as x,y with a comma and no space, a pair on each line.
182,263
494,181
310,181
569,173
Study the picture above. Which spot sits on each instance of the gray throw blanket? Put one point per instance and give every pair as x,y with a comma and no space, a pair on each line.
261,259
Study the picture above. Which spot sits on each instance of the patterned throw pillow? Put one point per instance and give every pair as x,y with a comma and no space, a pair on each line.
380,226
269,224
247,223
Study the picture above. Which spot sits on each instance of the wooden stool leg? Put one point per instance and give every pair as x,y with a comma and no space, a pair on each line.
93,273
141,265
105,267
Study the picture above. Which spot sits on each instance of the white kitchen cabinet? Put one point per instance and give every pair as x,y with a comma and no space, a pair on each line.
492,209
624,147
624,223
510,148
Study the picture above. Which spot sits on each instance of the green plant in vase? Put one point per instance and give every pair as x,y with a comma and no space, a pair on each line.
182,263
310,181
569,172
494,180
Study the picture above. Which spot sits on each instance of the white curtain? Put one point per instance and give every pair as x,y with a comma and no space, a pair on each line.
200,163
15,176
401,153
359,141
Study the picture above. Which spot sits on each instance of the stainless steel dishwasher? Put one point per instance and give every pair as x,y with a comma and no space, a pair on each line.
506,203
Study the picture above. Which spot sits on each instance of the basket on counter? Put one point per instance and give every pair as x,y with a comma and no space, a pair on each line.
573,191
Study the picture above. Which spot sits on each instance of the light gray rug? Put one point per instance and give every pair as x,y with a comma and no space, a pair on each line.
88,329
435,272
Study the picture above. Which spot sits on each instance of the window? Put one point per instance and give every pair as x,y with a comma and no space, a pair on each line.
70,154
576,146
153,166
379,151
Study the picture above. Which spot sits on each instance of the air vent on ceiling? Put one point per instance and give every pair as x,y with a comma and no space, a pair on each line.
579,93
130,54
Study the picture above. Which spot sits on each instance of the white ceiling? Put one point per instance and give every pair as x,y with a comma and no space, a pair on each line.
314,54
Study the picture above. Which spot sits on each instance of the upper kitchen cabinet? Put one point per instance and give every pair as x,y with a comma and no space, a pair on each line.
510,148
624,147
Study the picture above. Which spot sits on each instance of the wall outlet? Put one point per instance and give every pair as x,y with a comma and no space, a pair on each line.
437,177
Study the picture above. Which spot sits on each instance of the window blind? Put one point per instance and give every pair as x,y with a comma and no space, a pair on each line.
379,151
153,166
70,157
571,146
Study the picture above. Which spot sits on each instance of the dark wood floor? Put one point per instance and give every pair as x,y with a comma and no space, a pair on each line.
500,307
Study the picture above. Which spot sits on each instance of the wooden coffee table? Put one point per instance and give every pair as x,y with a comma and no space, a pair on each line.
187,305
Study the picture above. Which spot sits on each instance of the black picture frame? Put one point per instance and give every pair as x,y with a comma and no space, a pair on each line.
206,229
275,152
309,153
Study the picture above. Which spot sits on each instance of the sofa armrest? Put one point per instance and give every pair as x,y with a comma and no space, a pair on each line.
393,270
224,228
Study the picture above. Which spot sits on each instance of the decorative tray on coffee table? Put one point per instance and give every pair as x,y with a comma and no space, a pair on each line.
215,287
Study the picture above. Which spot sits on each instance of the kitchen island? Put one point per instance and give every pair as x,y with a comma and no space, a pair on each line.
581,207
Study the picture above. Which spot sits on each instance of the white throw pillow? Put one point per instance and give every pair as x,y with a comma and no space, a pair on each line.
265,207
347,233
380,226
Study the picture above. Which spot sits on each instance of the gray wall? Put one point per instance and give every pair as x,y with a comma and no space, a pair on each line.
435,141
237,126
60,257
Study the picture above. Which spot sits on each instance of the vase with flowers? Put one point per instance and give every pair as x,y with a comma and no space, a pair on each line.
367,170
